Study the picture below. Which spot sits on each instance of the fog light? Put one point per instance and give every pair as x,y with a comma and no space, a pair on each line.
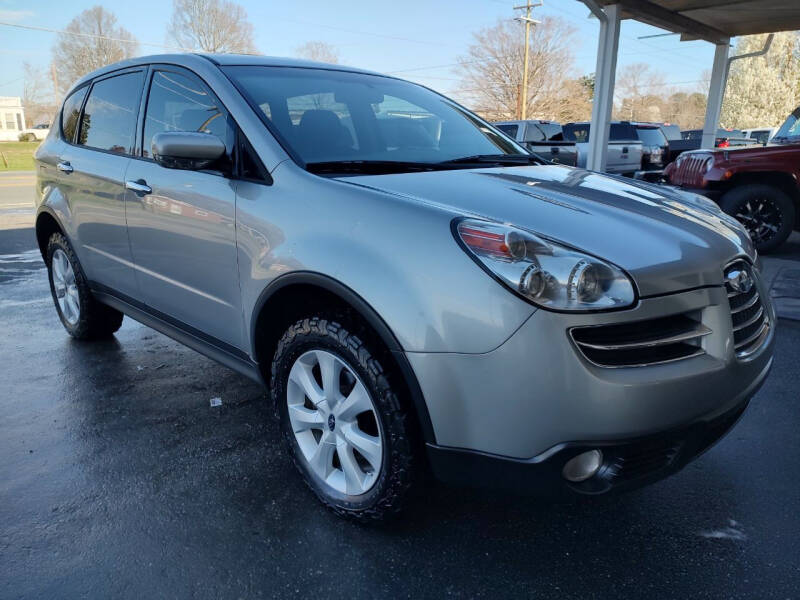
583,466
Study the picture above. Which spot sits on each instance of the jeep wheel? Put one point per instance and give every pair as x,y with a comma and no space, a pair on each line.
767,213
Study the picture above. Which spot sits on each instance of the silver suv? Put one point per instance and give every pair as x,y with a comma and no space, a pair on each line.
411,285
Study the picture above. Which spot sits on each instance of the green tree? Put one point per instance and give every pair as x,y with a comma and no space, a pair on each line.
763,90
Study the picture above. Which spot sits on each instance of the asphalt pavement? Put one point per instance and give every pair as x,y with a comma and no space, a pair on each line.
118,479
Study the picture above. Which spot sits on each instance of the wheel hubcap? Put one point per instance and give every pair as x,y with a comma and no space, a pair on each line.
334,422
762,219
65,287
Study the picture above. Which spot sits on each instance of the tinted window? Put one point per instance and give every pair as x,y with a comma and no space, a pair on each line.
336,115
179,102
579,132
552,131
790,127
651,136
576,132
509,130
71,112
762,135
533,133
622,131
109,117
671,132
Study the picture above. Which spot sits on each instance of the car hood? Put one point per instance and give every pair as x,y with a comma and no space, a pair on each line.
667,239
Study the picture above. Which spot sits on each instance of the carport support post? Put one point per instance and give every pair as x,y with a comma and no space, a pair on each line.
607,47
716,92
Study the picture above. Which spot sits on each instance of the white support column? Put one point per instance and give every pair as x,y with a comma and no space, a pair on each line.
605,74
716,92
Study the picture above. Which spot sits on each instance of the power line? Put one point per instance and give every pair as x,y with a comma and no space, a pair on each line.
96,36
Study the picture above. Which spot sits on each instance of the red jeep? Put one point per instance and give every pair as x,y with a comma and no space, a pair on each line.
760,186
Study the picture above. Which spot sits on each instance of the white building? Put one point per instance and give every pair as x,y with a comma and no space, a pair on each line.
12,118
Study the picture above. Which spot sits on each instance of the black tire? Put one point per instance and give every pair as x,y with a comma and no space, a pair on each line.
95,320
767,213
398,466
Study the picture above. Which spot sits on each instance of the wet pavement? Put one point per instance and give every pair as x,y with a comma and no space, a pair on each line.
118,479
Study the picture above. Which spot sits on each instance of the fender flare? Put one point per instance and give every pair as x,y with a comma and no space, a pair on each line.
374,320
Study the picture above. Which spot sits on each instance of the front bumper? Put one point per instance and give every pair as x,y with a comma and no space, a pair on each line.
627,464
536,400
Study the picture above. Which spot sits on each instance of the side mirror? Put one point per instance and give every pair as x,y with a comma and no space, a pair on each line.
188,150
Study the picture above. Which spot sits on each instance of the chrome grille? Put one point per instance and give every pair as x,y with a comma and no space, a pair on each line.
689,171
748,314
641,343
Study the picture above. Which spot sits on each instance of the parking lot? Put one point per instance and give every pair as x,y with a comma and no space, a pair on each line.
119,479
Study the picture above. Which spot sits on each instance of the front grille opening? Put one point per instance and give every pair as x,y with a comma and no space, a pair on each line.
642,343
748,313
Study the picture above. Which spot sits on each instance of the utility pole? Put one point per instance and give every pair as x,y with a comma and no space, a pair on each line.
523,102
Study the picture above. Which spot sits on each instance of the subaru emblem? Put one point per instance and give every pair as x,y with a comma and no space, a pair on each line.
740,281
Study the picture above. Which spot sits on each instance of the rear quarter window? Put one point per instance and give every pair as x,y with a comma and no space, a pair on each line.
71,112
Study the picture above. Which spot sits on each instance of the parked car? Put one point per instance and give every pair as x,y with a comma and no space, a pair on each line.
544,138
440,296
761,135
655,147
760,186
624,152
35,133
692,140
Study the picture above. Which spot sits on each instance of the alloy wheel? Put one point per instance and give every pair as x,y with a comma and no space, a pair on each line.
65,287
762,219
334,422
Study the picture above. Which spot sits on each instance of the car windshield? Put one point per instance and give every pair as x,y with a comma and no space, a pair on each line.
790,127
328,116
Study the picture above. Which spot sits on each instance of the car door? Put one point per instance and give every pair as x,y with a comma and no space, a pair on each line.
92,167
181,223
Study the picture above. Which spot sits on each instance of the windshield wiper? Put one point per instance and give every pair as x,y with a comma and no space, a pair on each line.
370,167
496,159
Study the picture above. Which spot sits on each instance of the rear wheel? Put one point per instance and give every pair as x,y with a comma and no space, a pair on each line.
82,316
346,428
767,213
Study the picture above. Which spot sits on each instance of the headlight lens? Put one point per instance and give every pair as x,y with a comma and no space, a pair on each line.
548,274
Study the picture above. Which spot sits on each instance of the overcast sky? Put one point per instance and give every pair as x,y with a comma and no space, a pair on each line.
413,39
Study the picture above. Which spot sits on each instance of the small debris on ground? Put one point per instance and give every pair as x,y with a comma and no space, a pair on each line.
216,402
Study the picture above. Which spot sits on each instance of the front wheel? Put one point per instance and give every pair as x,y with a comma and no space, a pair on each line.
766,212
344,423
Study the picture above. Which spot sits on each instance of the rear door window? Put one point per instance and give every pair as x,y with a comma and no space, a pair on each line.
109,117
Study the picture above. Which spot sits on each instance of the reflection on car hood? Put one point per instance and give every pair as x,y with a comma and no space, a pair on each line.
666,239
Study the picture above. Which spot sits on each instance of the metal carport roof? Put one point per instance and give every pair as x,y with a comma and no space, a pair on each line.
715,21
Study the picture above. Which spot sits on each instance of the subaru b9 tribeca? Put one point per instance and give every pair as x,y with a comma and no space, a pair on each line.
412,286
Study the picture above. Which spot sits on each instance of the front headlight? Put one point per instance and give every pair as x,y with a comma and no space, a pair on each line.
549,274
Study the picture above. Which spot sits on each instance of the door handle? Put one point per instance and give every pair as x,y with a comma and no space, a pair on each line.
139,186
65,167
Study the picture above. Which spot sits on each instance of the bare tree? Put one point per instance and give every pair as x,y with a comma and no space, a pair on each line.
212,26
319,51
37,96
90,41
491,71
639,92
